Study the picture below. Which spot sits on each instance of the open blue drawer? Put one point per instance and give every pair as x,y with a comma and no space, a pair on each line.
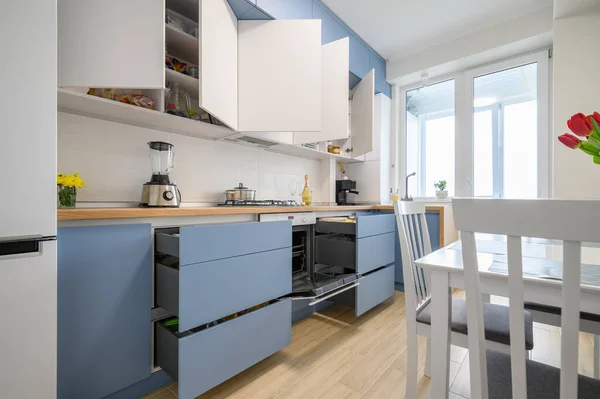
205,359
363,246
204,292
208,242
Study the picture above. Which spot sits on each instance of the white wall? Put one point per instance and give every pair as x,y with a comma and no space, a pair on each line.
113,160
576,88
527,33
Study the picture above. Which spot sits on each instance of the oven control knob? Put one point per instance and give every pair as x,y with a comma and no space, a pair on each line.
167,195
304,219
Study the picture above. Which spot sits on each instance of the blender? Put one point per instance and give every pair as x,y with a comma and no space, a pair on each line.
159,191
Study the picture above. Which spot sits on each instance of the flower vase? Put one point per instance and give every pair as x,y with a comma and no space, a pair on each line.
67,197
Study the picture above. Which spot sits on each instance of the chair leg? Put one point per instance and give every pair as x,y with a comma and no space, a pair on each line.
597,356
412,362
428,359
529,355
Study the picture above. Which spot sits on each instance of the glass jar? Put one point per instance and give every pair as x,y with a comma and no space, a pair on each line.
67,196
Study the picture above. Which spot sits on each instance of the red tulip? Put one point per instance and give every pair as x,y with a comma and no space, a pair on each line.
570,141
580,125
596,117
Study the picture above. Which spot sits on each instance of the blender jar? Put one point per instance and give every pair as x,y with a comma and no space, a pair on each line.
162,157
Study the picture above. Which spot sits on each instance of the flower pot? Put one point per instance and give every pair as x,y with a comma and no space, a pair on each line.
67,196
441,195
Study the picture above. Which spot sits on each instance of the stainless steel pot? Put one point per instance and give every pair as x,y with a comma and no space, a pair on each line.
240,193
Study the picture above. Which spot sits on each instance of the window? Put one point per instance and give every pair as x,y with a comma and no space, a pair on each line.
430,125
496,147
505,133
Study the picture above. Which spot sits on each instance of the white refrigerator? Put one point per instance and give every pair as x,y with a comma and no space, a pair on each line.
28,203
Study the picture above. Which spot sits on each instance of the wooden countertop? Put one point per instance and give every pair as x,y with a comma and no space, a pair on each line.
133,213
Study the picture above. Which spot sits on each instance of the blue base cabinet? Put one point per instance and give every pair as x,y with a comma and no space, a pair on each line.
104,302
433,225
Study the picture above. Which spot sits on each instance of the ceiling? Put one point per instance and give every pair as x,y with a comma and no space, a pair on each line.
399,28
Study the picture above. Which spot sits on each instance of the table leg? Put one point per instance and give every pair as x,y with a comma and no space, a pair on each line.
441,316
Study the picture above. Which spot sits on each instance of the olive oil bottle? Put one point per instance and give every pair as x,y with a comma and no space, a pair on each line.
306,197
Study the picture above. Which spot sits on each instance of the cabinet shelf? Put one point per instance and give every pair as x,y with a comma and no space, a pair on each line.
101,108
181,44
310,153
186,83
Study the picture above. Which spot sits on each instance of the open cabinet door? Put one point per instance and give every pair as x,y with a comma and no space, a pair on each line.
362,121
279,76
335,93
111,43
218,93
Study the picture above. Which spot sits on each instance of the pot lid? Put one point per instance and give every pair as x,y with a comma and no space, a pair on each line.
240,187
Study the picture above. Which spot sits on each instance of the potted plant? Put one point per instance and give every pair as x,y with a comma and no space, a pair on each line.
440,189
67,186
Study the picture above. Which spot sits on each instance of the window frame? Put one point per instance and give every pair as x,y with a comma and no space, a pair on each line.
464,134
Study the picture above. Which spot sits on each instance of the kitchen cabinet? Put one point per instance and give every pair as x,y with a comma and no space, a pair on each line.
256,76
111,43
363,246
335,94
104,302
362,114
279,75
224,282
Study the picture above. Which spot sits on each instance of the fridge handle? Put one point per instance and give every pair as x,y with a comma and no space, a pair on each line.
23,246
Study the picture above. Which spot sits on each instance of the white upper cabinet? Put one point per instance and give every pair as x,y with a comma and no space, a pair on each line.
111,43
335,65
218,93
279,76
362,114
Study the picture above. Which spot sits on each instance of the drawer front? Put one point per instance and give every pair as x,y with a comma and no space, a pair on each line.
375,224
211,242
205,292
205,359
373,289
374,252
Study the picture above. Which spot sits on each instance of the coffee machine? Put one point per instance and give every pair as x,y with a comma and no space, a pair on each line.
342,189
159,191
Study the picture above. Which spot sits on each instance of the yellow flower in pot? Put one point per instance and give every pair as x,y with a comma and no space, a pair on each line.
67,186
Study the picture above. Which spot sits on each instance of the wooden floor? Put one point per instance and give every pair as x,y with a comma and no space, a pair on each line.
336,355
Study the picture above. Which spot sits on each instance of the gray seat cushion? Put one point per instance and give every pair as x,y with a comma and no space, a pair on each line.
543,381
557,311
495,321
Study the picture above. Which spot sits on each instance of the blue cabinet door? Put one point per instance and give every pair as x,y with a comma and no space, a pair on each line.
359,57
104,302
287,9
433,225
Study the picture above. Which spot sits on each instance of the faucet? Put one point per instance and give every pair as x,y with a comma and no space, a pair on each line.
406,196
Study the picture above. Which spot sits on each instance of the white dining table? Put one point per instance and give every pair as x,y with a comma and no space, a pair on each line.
542,275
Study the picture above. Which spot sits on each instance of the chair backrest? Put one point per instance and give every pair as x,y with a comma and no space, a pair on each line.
571,221
414,244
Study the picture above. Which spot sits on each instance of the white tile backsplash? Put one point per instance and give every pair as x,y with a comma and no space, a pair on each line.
113,160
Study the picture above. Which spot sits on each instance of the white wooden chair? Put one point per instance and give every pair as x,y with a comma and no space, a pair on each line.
414,244
497,375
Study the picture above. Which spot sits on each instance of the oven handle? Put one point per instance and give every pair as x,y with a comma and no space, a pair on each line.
333,294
